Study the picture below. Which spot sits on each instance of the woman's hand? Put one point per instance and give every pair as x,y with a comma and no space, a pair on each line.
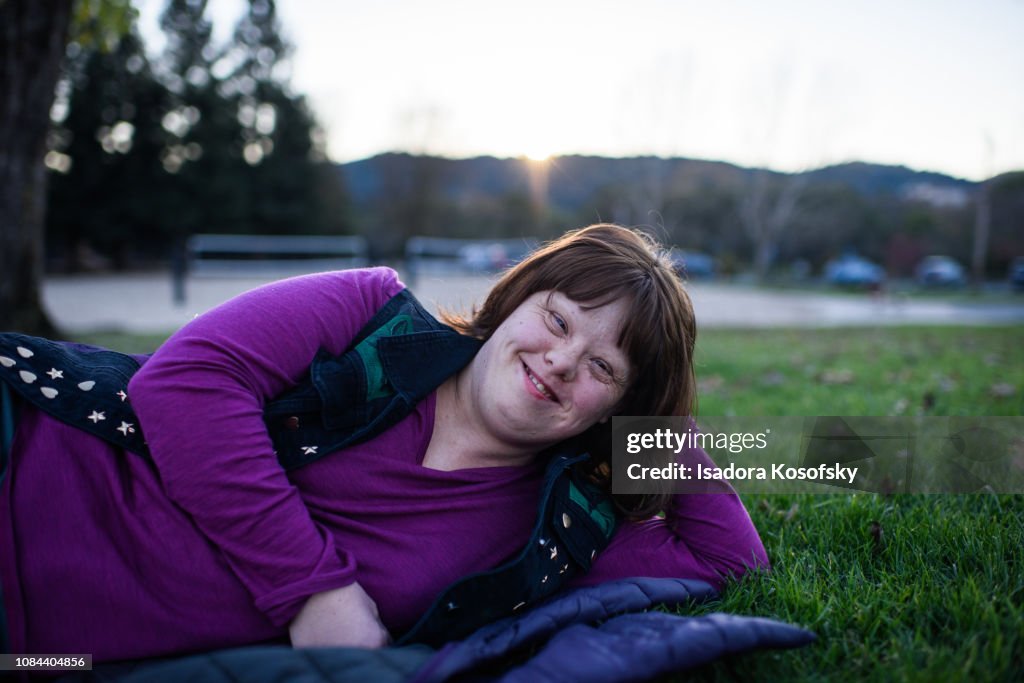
343,617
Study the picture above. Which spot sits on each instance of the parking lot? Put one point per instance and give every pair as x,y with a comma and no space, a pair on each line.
144,303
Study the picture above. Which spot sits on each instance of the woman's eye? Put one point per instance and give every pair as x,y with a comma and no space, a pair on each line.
559,322
603,367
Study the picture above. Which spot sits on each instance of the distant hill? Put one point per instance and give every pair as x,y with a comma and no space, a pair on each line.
876,179
573,180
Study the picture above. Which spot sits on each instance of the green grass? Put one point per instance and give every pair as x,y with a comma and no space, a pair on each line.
127,343
882,371
906,588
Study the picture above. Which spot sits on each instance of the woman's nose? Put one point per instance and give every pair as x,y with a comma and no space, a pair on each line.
562,362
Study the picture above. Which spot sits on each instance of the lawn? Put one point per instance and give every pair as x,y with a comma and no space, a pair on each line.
912,588
881,371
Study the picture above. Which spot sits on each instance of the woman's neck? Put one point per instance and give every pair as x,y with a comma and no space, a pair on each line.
460,439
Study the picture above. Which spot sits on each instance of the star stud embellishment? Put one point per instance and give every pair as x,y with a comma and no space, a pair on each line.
309,450
54,373
96,417
126,428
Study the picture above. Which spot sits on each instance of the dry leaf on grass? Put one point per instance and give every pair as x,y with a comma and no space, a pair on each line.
836,376
710,384
1002,390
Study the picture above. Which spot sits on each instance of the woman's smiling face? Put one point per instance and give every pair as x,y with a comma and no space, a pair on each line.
551,370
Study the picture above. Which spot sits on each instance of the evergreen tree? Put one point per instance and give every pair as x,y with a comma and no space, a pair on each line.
205,154
288,174
203,138
107,188
245,160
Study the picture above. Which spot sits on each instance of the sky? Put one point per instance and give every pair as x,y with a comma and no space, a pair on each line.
935,85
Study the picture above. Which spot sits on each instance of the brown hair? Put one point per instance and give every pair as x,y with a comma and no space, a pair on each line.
596,265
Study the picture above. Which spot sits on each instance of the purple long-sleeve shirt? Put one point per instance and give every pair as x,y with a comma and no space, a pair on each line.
211,544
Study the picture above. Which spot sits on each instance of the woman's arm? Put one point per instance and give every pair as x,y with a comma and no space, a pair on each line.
707,536
200,400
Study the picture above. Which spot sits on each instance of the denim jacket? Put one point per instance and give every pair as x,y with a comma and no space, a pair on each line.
400,356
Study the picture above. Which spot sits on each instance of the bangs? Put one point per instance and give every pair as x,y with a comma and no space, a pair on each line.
598,286
594,280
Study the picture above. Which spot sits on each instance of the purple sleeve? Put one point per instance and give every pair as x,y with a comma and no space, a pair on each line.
200,400
707,536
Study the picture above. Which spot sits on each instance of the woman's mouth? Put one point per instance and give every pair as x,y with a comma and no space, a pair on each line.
538,385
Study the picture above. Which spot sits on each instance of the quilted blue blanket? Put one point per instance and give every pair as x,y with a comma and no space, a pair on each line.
599,634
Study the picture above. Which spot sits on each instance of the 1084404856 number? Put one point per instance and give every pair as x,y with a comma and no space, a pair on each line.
45,662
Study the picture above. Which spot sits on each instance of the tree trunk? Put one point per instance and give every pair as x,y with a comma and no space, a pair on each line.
982,226
32,40
766,221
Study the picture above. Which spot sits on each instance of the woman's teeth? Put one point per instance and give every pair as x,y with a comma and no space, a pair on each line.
540,386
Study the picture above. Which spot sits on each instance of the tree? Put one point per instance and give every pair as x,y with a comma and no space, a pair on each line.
411,200
105,189
244,158
408,201
33,34
204,156
982,222
32,37
203,138
280,144
766,212
1006,196
832,219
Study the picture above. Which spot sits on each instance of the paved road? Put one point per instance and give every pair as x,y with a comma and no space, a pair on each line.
143,303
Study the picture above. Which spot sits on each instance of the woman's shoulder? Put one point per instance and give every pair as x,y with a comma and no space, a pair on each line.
375,280
383,277
352,290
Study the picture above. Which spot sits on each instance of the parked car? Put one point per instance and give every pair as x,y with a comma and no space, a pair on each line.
490,257
940,271
1017,274
854,271
693,265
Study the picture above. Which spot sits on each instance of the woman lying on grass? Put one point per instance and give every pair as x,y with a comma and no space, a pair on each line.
319,459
